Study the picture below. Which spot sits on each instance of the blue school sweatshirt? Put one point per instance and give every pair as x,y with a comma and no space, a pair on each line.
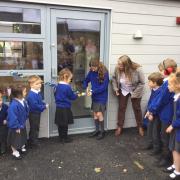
176,121
153,96
35,102
99,90
17,115
163,104
64,95
3,113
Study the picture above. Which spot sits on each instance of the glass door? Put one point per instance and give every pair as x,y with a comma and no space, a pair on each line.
77,37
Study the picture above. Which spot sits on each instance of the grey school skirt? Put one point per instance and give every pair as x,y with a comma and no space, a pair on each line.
98,107
3,133
173,144
17,140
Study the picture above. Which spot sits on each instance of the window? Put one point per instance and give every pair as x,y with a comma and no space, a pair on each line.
21,55
20,20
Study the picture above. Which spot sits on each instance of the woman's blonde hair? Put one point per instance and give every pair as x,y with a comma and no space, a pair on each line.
65,74
128,65
101,69
174,81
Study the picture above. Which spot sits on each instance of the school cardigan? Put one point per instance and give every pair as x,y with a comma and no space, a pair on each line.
3,113
64,95
163,104
17,115
138,82
176,121
99,90
35,103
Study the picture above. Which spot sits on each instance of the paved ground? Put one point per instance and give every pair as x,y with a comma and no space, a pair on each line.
118,159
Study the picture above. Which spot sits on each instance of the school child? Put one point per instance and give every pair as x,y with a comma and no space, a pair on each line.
36,106
3,126
63,97
163,106
16,121
174,128
99,79
155,80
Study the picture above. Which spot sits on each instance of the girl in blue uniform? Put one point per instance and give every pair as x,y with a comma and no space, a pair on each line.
17,116
174,128
99,78
63,97
3,126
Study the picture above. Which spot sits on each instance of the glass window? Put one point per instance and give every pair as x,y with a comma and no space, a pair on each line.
78,42
7,82
21,55
20,20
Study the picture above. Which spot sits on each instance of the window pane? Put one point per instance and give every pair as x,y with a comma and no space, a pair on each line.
78,42
7,82
21,55
20,20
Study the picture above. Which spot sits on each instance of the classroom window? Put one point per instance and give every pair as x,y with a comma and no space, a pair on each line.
20,20
21,55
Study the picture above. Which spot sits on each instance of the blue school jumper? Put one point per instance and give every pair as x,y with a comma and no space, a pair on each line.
153,96
3,113
64,95
176,122
17,115
162,105
99,90
35,103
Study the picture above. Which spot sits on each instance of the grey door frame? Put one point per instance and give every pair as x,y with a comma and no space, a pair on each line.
60,12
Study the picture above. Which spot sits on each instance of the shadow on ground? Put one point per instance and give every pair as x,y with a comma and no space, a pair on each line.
115,159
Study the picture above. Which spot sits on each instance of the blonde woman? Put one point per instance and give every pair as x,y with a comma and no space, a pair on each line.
128,82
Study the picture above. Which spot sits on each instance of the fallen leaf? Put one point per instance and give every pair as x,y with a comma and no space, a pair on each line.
125,170
97,170
139,165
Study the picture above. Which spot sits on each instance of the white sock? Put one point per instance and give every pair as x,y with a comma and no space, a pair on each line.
176,172
23,149
16,153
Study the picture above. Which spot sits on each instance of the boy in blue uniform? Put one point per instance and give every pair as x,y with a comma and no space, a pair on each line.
153,126
3,126
36,106
99,78
163,106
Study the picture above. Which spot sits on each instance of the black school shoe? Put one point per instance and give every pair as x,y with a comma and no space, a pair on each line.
17,157
169,169
100,136
173,176
65,140
94,134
